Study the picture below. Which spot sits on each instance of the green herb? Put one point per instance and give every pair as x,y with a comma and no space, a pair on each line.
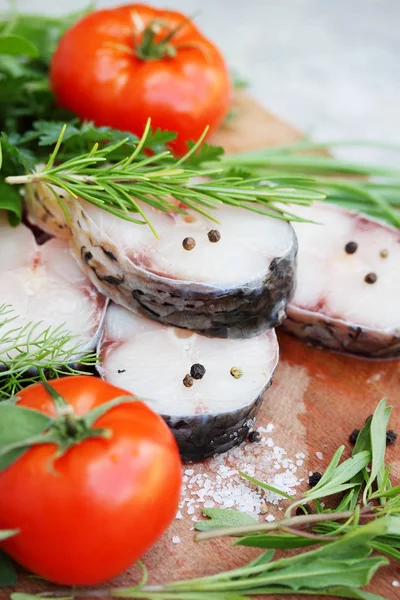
372,189
123,187
27,43
30,354
347,541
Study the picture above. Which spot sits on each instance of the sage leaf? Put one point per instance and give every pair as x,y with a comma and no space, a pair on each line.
224,517
322,573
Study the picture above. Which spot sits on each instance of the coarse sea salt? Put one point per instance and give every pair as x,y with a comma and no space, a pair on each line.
396,583
319,455
176,539
216,483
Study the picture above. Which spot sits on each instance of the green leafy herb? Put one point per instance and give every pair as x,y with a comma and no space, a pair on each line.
160,180
27,43
224,518
30,353
368,188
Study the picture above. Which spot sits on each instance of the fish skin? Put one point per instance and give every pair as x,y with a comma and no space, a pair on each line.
335,334
242,311
199,436
203,436
44,211
339,334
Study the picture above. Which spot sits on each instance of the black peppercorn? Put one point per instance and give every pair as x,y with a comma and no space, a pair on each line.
353,436
197,371
303,509
391,437
351,247
370,278
314,479
189,243
214,235
254,436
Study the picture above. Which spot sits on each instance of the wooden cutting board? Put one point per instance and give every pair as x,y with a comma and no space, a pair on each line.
317,399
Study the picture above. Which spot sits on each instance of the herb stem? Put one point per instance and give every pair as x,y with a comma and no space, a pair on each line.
275,525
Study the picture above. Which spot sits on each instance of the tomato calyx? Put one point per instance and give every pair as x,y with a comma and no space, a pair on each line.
22,428
152,49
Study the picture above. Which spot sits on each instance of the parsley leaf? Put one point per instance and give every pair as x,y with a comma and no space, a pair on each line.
206,153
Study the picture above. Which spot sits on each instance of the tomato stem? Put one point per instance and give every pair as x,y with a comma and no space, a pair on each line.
152,49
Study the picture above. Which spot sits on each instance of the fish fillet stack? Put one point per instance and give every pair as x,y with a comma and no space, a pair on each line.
191,326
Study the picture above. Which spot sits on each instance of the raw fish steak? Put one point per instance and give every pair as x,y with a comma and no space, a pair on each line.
232,279
44,283
348,283
208,390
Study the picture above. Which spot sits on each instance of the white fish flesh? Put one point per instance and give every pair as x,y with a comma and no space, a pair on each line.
152,360
348,283
45,283
235,287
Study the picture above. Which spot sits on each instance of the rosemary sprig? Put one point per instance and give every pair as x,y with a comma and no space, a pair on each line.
164,182
30,354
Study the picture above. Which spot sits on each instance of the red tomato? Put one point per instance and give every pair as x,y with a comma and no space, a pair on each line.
112,68
93,512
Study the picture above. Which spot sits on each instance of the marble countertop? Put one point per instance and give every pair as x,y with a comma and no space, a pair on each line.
330,68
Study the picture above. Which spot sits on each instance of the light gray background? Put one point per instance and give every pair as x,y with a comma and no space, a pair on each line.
331,67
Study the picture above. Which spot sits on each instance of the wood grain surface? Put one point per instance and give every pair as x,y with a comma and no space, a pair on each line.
317,399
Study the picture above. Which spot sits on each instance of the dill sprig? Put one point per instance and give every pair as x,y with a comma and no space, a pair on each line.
164,182
29,353
368,188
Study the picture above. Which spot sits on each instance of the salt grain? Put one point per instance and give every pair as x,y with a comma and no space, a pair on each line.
270,518
396,583
176,539
217,483
319,455
178,515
